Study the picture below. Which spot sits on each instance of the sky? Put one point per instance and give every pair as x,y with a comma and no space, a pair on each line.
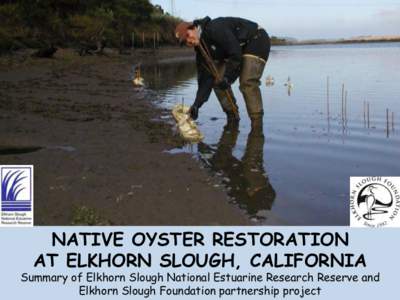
301,19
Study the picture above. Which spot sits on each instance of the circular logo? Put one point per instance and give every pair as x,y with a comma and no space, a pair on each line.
374,201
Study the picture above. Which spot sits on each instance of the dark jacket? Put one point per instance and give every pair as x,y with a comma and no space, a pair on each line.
224,38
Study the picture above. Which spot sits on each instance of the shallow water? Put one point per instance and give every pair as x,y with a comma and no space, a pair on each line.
299,169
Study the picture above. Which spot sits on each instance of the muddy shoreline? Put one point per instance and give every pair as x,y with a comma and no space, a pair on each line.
99,148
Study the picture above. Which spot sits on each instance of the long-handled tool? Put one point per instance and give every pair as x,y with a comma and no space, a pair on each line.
207,56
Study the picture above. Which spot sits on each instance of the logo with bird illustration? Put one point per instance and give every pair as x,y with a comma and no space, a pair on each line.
374,199
16,188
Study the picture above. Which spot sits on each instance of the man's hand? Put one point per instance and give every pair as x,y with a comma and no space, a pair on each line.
194,112
223,84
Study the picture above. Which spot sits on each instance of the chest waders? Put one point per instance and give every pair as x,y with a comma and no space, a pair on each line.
254,58
250,74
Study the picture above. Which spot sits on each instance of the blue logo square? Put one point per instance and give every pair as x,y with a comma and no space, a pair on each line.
16,188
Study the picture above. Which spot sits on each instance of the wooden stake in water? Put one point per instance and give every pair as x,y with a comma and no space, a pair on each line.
345,106
368,114
183,104
387,122
364,113
342,100
327,104
327,96
392,121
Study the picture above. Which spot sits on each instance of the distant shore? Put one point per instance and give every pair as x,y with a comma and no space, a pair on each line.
327,42
168,52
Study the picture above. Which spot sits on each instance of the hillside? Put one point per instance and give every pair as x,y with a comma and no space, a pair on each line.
84,25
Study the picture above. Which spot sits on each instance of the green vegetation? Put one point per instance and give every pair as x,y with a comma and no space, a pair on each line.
278,41
88,24
84,216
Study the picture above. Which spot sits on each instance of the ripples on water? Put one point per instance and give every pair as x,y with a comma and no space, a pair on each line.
305,158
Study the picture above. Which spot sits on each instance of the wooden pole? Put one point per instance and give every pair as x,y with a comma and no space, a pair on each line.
121,44
143,39
327,96
205,53
133,41
364,114
368,114
154,40
387,122
345,106
342,100
392,121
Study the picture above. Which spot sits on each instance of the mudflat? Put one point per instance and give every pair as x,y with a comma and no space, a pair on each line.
98,146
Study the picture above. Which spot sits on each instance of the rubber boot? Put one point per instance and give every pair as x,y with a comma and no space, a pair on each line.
227,106
252,70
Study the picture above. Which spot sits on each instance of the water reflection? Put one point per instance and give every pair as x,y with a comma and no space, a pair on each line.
317,138
167,77
246,179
